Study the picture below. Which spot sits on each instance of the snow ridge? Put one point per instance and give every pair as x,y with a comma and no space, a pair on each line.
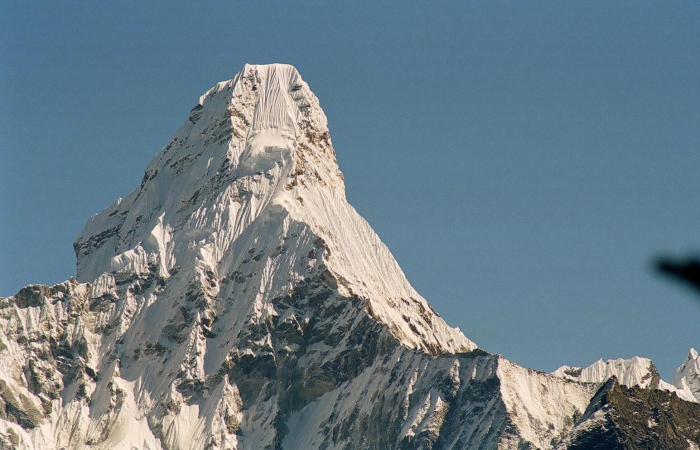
636,371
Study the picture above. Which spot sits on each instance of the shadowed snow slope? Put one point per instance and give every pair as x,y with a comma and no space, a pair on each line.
235,300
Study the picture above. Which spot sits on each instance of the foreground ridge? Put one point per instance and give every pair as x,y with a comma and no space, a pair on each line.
235,300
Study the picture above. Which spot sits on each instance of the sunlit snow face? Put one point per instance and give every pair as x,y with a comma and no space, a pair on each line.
281,100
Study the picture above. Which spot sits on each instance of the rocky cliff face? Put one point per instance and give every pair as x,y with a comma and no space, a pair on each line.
621,417
235,300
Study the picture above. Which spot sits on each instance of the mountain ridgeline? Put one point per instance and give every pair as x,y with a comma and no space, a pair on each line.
235,300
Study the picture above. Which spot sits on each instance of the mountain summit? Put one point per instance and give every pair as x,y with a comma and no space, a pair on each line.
249,190
235,300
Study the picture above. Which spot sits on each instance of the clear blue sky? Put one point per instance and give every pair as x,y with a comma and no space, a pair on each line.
524,161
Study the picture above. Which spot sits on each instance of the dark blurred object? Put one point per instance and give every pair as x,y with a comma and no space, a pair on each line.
681,269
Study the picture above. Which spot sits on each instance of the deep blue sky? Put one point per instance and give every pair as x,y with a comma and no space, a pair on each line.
523,162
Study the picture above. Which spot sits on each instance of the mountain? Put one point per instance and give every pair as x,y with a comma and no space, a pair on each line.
235,300
629,372
621,417
640,372
687,376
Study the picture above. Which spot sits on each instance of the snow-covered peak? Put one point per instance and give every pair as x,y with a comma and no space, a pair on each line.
260,122
687,377
250,186
636,371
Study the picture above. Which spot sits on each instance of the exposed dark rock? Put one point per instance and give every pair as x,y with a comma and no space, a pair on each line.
18,410
621,417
